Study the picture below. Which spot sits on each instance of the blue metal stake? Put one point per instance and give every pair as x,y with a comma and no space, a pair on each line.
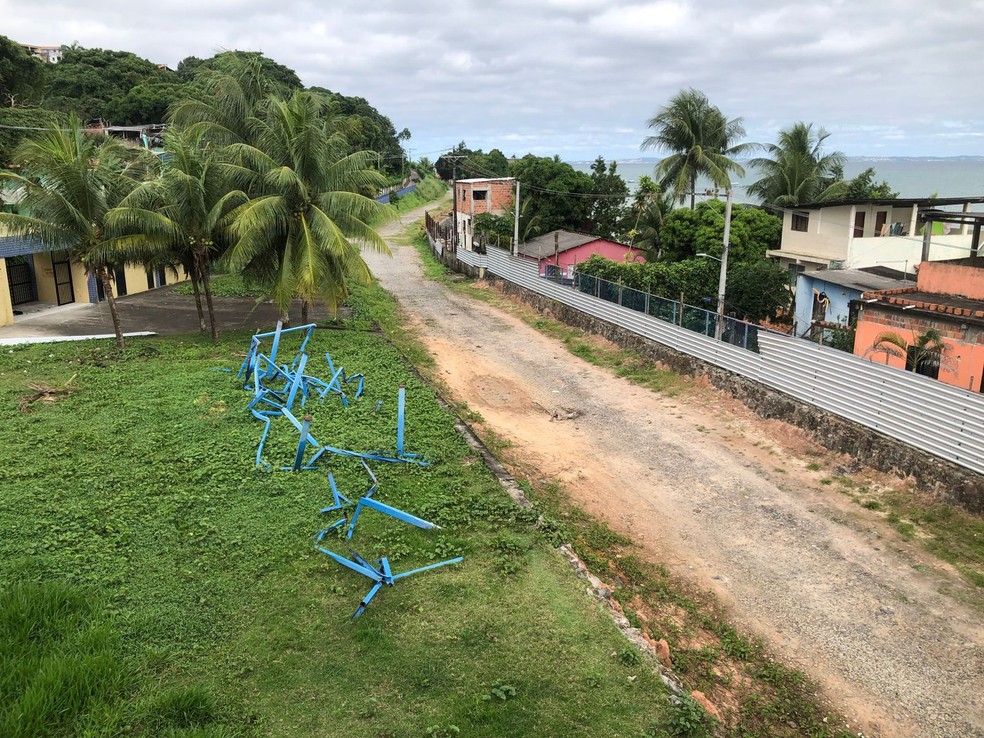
400,411
302,444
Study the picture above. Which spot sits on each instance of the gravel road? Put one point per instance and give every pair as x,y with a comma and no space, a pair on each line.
720,497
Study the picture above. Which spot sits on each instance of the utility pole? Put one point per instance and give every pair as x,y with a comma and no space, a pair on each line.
454,200
516,222
723,280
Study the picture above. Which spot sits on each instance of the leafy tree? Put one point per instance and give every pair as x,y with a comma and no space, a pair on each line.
758,289
22,76
650,207
22,120
145,103
497,229
797,171
557,195
686,233
701,142
179,217
86,80
863,187
475,164
608,209
70,181
282,79
366,129
311,201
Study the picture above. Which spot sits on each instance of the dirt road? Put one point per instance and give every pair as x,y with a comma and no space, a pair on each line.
723,498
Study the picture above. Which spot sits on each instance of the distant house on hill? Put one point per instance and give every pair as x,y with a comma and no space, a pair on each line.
853,234
51,54
559,252
947,300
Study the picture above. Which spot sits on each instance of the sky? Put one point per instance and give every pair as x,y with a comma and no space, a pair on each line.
581,78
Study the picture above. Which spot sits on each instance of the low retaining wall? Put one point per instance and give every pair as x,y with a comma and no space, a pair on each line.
946,481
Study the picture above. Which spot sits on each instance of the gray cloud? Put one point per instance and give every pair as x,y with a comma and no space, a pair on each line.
581,77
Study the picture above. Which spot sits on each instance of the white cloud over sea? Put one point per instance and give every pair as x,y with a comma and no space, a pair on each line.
580,78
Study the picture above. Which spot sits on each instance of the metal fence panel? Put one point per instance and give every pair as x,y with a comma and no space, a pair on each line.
943,420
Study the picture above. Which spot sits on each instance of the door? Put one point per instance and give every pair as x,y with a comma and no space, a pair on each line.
859,225
64,290
21,281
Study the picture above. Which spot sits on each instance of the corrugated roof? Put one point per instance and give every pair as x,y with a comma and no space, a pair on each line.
544,245
858,279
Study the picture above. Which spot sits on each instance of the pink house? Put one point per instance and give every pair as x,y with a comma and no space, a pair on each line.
561,251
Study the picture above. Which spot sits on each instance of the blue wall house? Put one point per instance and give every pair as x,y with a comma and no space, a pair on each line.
829,298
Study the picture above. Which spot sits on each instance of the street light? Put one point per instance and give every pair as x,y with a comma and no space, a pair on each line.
710,256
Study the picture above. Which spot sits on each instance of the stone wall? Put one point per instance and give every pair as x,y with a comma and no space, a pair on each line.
948,482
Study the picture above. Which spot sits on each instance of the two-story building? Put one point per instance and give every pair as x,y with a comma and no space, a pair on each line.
854,234
475,196
947,299
51,54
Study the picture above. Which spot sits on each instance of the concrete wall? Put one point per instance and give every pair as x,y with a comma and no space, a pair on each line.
840,299
6,309
825,238
952,279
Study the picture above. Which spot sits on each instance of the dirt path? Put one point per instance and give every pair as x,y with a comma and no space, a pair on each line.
724,499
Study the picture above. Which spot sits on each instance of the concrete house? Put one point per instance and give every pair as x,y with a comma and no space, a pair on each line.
947,297
853,234
559,252
475,196
51,54
830,298
34,278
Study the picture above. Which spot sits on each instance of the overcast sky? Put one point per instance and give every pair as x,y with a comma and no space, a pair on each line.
580,78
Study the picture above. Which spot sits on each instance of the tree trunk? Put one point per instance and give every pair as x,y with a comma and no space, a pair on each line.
111,300
207,283
693,193
195,276
304,312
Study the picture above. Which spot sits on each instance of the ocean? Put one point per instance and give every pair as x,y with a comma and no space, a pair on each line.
961,176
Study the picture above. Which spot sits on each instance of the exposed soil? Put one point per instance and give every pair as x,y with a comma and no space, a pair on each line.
728,501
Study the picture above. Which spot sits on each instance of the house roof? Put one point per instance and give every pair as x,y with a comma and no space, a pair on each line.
902,202
862,280
543,246
912,297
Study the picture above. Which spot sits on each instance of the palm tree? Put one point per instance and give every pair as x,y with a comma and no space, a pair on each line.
797,171
701,141
70,181
651,206
179,218
310,199
926,351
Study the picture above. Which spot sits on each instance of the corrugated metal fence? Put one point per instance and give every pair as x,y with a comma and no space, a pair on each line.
938,418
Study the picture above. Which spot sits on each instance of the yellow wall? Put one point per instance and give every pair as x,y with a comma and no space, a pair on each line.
6,309
44,278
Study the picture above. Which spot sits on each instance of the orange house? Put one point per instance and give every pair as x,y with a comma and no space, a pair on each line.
948,297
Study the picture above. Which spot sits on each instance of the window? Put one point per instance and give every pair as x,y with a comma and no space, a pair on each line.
480,194
801,222
926,363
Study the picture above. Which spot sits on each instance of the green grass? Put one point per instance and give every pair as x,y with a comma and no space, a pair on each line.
224,285
133,514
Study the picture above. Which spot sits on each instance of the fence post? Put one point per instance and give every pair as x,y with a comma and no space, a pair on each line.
597,286
646,302
707,322
681,310
620,294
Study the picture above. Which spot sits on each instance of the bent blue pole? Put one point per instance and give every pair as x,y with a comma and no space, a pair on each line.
302,444
400,413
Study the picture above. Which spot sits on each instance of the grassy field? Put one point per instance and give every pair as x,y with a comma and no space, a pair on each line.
152,582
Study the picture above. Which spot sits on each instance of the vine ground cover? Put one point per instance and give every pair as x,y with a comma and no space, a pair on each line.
139,537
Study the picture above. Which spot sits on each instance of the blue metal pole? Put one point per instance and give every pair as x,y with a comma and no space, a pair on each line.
400,411
295,385
302,444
